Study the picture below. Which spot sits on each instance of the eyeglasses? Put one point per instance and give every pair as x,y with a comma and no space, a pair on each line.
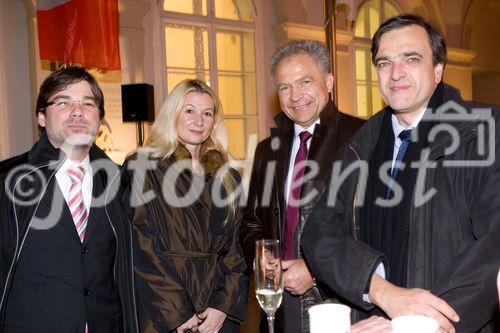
64,104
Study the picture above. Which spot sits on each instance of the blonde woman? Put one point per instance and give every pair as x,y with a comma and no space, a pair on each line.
183,200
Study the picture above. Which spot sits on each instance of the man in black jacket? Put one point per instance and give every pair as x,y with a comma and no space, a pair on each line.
282,195
414,226
65,256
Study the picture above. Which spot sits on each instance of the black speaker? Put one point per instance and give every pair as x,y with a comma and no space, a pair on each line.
138,102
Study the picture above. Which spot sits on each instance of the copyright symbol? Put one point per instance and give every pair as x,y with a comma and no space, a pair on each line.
24,185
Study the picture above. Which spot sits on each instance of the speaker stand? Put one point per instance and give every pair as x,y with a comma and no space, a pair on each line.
140,133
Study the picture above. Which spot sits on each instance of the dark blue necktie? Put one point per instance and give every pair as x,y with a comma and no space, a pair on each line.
405,137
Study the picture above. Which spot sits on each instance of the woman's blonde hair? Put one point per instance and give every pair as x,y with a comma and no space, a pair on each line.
163,140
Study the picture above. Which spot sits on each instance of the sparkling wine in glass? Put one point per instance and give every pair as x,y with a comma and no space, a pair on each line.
268,277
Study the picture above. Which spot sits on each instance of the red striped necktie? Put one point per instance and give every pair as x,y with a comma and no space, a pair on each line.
75,203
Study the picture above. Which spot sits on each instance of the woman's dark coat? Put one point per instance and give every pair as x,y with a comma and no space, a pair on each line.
187,257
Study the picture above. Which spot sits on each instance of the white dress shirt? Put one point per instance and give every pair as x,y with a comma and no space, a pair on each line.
64,180
398,128
295,148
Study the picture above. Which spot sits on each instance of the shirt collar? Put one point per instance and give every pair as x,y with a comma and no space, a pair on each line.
398,128
69,163
299,129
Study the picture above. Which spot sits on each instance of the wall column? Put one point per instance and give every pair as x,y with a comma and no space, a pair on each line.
4,138
458,71
132,39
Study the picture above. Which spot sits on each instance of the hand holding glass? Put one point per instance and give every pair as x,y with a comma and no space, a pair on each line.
268,277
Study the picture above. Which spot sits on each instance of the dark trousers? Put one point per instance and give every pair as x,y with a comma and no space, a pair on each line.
228,326
53,329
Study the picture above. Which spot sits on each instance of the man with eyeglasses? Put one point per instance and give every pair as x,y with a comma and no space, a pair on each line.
65,258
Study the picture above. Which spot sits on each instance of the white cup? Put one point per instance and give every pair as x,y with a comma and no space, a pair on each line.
414,324
330,318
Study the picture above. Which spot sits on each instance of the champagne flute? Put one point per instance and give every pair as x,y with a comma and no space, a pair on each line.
268,277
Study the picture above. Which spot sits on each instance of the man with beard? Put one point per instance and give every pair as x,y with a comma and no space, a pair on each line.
65,260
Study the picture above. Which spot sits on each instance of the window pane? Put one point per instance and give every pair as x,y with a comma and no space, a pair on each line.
238,94
373,72
360,30
377,104
248,52
389,10
237,135
231,94
361,64
240,132
229,51
240,10
362,100
186,46
250,94
226,9
374,16
233,70
174,76
368,97
197,7
252,136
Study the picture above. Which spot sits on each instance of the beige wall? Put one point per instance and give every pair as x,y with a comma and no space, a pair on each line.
481,33
458,71
16,131
487,88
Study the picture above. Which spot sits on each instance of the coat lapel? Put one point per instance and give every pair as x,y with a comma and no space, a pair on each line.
321,152
282,157
54,209
96,212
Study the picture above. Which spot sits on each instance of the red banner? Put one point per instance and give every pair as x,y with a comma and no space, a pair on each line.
80,32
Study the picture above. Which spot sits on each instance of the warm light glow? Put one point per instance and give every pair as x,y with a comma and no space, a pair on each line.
370,16
198,7
240,10
229,51
188,47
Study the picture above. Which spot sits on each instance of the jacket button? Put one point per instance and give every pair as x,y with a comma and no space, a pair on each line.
276,211
85,250
86,292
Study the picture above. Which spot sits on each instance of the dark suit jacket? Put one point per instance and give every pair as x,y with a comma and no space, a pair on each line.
51,282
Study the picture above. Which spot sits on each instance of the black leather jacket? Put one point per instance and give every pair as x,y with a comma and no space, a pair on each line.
265,219
36,166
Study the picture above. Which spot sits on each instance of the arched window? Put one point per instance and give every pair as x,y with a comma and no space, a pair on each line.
371,14
214,40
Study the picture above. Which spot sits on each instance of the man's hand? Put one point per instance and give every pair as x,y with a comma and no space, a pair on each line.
374,324
212,320
191,324
297,278
396,301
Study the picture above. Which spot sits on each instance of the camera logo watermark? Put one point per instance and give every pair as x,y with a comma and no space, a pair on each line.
463,138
